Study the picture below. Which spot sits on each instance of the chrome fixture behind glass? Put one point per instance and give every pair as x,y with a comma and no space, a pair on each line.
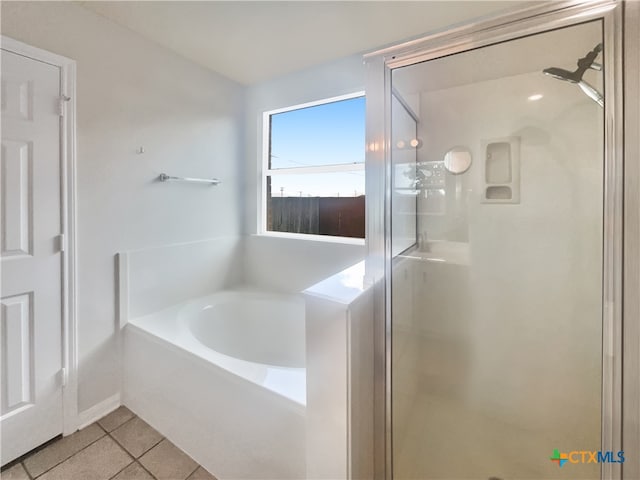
457,160
585,63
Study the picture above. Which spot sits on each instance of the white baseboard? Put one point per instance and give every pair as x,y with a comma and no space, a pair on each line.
90,415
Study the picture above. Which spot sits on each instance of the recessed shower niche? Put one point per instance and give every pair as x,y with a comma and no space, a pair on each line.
501,170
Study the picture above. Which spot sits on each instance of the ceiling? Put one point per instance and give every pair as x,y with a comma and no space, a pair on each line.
253,41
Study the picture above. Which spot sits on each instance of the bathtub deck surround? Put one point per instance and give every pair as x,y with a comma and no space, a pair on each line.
119,446
225,370
218,365
231,424
340,376
151,279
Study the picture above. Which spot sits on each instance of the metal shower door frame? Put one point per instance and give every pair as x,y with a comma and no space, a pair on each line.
457,39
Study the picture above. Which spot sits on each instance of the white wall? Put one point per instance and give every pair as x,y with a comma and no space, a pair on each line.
131,93
152,279
292,265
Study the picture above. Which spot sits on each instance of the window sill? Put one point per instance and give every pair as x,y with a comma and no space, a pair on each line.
314,238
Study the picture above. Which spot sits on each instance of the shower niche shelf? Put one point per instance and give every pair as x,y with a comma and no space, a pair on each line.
501,170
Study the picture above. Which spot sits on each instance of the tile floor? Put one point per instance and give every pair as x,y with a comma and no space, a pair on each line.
119,446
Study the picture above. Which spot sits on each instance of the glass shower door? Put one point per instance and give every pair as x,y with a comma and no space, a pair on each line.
496,298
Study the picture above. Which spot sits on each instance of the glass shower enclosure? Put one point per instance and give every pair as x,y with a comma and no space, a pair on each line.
500,257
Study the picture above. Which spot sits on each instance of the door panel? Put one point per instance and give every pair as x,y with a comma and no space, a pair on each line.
17,325
31,307
16,198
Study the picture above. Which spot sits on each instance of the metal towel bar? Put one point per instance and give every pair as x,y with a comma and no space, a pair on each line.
163,177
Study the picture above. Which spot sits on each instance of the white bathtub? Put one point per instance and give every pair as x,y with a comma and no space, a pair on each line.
255,327
224,377
256,335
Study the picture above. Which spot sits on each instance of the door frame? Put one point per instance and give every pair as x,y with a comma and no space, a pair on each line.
68,242
631,303
456,39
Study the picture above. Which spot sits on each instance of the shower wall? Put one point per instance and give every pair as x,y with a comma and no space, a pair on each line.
497,317
558,220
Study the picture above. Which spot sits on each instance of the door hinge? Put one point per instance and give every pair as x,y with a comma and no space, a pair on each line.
62,242
63,374
62,105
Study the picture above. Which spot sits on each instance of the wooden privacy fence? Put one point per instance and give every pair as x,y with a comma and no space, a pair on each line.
337,216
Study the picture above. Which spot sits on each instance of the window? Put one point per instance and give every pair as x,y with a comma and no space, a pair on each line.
314,168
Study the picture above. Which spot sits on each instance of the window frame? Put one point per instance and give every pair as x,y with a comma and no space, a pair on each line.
265,172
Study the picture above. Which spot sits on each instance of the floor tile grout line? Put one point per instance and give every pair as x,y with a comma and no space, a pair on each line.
127,450
31,477
64,460
120,471
135,460
105,433
29,454
194,470
139,464
123,449
123,423
165,438
146,470
149,449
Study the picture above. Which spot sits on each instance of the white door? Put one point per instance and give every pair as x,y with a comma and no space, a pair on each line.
30,196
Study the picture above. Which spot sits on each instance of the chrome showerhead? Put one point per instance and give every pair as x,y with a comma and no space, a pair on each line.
591,92
561,74
585,63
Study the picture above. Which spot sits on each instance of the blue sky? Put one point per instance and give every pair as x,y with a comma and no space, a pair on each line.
332,133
